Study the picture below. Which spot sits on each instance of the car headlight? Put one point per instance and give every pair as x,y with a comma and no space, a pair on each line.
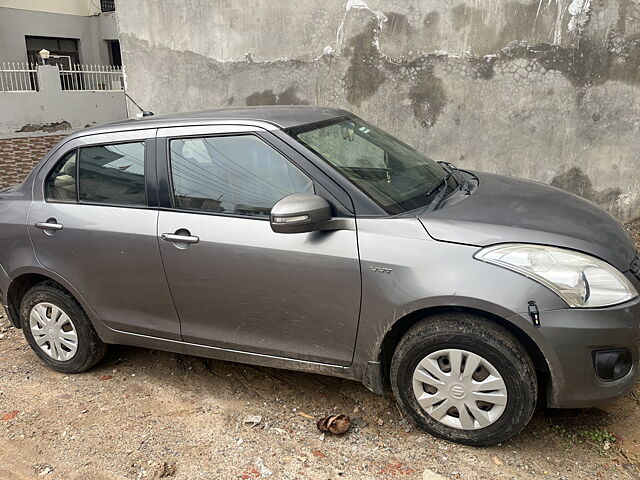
580,280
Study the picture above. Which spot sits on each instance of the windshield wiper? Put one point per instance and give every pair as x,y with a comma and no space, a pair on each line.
440,183
441,188
463,183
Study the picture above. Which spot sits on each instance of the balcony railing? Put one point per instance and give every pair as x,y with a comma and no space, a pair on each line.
26,77
18,77
104,78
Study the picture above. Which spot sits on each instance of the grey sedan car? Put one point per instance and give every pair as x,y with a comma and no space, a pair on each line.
308,239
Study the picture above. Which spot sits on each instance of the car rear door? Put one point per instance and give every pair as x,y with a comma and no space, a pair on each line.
93,222
237,284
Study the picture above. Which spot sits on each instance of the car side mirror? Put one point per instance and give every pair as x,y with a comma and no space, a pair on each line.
299,213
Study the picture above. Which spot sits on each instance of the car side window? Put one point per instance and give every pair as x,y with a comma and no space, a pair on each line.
240,174
61,183
112,174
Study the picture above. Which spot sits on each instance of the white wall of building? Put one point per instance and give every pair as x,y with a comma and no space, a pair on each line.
66,7
52,105
92,32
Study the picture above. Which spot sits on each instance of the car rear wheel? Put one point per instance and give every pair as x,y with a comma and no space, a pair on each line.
58,330
464,379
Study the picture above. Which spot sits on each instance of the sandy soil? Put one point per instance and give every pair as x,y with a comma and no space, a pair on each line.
150,414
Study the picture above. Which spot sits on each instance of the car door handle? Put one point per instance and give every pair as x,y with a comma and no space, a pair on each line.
48,225
172,237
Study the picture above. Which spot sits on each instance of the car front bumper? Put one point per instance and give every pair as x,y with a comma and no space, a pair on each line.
568,339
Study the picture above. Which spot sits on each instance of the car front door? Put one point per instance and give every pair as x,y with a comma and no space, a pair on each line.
93,222
236,284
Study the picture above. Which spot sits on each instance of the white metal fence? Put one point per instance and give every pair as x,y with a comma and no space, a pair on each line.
18,77
102,78
23,77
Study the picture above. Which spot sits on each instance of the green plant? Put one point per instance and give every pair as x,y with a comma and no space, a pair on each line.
602,438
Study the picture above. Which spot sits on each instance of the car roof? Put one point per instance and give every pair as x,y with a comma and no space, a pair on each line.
279,116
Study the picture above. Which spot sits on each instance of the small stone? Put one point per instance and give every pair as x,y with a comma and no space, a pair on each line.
165,470
264,471
431,475
360,422
252,420
43,469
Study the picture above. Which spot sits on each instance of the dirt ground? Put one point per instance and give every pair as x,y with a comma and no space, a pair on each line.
150,414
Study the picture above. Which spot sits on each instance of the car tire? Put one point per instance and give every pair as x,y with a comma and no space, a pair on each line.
454,342
67,344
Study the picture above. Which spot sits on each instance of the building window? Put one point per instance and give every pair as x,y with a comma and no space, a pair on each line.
114,53
64,51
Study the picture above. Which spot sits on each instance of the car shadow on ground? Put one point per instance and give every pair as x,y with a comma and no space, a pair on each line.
312,394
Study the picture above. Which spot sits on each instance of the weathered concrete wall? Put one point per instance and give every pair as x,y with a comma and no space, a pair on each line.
52,108
542,89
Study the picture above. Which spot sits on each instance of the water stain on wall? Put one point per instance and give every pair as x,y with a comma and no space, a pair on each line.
364,74
428,99
587,62
268,97
397,24
575,181
487,32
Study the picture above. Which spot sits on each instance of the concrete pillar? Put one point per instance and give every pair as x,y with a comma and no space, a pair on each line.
49,79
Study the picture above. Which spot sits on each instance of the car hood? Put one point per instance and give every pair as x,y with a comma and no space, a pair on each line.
505,209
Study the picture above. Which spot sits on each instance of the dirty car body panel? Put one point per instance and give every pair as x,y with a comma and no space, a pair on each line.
216,281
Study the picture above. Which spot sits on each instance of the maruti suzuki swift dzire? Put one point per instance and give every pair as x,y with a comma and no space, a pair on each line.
308,239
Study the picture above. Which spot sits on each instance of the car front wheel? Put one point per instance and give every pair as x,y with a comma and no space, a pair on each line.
58,330
462,378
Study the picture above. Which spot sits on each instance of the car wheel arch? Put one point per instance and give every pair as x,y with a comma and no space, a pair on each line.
25,281
397,330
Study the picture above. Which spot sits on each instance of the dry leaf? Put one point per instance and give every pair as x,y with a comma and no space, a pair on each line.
497,461
336,424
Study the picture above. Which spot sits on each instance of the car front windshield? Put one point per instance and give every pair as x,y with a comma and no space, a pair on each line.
394,175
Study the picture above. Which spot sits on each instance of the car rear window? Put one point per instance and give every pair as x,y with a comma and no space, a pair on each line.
61,184
112,174
106,174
